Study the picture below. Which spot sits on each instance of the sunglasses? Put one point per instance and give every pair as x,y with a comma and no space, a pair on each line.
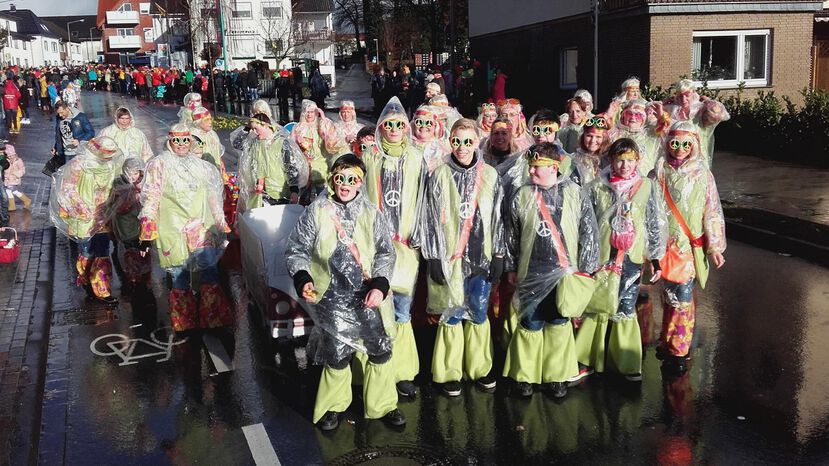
348,180
181,141
598,122
393,124
424,123
456,142
675,144
545,130
487,106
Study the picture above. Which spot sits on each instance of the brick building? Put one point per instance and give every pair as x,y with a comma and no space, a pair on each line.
127,30
546,48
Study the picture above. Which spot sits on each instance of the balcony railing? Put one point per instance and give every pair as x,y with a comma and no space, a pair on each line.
122,17
125,42
313,36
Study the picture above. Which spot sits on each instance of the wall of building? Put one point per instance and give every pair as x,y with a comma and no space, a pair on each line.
489,16
623,52
791,42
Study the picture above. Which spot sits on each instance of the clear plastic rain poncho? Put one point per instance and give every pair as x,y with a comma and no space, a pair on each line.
81,189
319,140
348,129
694,192
458,199
125,201
132,141
435,145
278,162
704,112
512,110
447,114
631,219
633,124
212,144
192,100
545,253
242,137
326,241
182,210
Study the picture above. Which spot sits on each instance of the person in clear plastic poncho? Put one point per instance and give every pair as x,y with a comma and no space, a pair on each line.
242,137
395,176
272,170
704,112
635,124
348,125
131,140
511,110
687,182
588,158
320,141
192,101
447,114
632,229
542,348
341,258
202,127
587,99
124,208
181,213
429,136
577,115
461,236
78,208
486,116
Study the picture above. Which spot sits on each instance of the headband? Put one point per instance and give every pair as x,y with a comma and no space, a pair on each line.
537,159
628,155
97,145
174,134
500,124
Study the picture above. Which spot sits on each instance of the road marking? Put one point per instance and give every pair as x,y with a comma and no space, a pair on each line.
218,354
116,344
260,445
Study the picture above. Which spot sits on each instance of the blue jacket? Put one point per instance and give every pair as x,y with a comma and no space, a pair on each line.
81,130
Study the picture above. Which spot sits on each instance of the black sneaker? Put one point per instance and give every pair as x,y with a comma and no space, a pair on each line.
395,418
329,421
675,365
452,388
523,390
558,389
406,388
486,382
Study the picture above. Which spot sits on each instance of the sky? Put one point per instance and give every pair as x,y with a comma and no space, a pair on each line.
55,7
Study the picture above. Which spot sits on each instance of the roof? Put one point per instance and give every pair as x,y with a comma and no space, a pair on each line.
29,23
313,6
21,36
80,31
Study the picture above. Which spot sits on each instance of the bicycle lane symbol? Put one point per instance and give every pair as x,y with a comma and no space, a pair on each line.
117,344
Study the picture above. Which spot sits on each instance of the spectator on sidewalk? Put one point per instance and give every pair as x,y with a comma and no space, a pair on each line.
296,73
253,85
378,89
4,201
14,177
71,127
11,102
319,89
283,91
24,100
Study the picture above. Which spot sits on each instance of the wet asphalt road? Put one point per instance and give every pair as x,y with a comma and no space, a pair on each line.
756,392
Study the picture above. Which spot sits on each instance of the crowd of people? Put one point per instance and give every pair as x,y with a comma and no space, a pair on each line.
532,234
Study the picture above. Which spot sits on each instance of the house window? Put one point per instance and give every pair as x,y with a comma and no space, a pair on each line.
124,32
24,45
271,10
727,58
125,7
242,10
569,63
148,35
243,47
54,46
144,8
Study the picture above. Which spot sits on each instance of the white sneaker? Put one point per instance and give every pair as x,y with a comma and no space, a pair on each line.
25,121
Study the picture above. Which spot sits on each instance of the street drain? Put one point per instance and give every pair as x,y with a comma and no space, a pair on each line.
391,456
84,317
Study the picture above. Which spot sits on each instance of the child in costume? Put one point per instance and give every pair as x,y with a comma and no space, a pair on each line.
511,110
78,208
588,158
320,141
125,206
365,143
576,117
632,229
181,213
552,233
696,229
486,117
14,177
704,112
192,101
341,257
429,136
634,124
202,128
463,241
132,141
395,176
348,125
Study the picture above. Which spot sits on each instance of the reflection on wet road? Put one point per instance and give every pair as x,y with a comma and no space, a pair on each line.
756,391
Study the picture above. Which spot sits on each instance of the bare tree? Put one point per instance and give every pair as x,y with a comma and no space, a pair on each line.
4,40
283,35
349,13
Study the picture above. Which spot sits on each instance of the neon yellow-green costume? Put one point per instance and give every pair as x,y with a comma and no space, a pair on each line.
323,255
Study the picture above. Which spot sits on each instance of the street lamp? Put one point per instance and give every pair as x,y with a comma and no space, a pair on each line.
69,38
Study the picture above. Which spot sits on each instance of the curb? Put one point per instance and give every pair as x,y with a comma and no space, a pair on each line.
779,233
